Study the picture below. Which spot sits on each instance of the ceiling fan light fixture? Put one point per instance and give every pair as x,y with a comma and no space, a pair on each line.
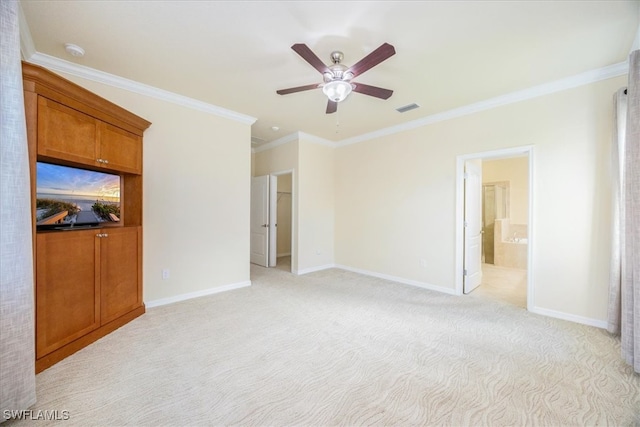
337,90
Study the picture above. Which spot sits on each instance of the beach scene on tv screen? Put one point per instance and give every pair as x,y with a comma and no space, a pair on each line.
66,195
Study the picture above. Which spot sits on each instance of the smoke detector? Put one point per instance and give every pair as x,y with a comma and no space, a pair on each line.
74,50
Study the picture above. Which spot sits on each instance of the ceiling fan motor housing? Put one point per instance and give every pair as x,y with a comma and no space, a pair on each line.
337,56
337,77
337,72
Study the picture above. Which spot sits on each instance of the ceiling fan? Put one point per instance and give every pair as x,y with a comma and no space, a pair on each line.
337,77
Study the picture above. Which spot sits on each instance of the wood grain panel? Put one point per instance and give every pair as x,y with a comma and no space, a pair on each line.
131,204
65,133
120,272
67,305
122,149
59,354
42,81
31,116
86,286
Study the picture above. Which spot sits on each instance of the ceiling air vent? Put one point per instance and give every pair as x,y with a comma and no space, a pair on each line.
407,108
255,140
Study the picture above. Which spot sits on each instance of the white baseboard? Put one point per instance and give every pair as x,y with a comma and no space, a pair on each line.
399,280
284,254
570,317
313,269
197,294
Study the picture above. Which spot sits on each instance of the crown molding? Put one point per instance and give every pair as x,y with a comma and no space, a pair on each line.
280,141
296,136
581,79
92,74
30,54
316,139
27,48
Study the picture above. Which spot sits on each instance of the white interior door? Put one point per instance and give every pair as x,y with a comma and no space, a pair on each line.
260,220
273,215
472,225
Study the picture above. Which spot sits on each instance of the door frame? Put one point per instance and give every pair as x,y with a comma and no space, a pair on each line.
294,216
527,150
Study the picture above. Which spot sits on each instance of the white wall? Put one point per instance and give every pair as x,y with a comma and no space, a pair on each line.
282,158
395,202
316,205
515,170
382,205
196,195
313,198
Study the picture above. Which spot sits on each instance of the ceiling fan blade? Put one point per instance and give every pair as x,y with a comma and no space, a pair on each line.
297,89
375,91
374,58
306,54
332,107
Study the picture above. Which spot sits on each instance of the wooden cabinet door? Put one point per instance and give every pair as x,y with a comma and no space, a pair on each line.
120,272
67,288
121,149
65,133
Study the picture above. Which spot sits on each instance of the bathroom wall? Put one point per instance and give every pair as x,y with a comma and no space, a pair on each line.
515,170
509,243
509,251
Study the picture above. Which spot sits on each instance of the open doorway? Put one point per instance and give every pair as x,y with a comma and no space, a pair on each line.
284,221
272,201
505,226
502,203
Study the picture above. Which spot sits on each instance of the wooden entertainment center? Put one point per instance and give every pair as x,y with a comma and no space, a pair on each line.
88,281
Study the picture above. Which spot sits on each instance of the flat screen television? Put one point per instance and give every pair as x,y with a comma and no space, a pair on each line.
68,198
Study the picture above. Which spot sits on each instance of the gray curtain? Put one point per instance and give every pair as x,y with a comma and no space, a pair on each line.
624,290
617,220
17,352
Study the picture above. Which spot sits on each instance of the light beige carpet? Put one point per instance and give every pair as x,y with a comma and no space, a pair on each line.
338,348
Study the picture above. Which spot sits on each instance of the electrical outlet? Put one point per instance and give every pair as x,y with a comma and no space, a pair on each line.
165,274
423,263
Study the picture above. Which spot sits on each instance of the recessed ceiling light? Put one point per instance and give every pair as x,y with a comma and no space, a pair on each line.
74,50
275,128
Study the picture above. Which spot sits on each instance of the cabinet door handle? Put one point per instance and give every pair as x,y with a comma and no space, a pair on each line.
102,235
100,161
105,161
105,235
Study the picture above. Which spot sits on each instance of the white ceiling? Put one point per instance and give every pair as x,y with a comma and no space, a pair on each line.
236,55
